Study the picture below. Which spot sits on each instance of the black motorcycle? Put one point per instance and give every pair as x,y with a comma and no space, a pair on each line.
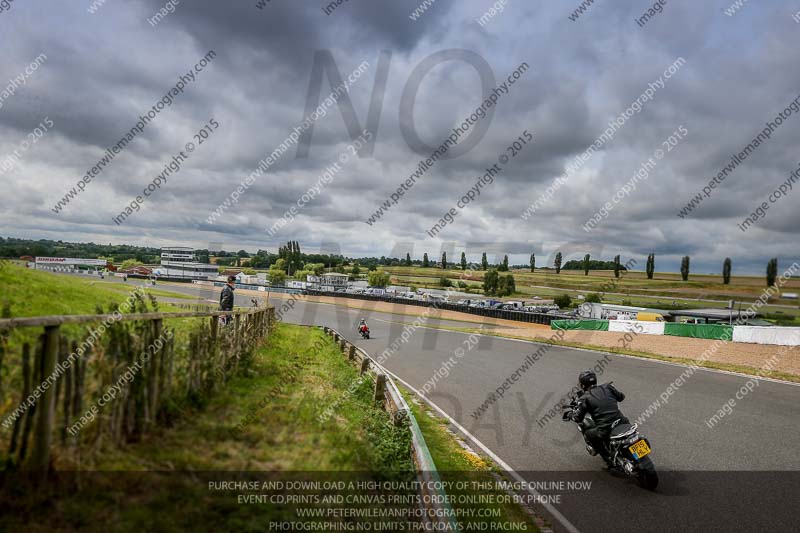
628,449
364,332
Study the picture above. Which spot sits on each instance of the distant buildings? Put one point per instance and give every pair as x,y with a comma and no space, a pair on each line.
179,262
66,264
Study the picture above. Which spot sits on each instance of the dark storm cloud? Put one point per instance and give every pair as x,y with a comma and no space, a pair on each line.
107,68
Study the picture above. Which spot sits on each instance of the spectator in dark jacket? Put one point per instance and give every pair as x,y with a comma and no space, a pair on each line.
226,297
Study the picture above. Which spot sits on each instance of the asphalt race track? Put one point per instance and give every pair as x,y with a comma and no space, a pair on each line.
741,475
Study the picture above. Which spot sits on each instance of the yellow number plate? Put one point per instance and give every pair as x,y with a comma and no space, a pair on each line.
639,449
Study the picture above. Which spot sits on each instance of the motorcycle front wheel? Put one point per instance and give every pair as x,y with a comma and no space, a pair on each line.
647,475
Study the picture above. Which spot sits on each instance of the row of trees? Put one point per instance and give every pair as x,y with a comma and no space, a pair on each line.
115,253
428,263
727,267
295,262
494,284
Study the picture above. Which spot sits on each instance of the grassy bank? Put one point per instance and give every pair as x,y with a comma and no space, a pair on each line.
28,292
266,421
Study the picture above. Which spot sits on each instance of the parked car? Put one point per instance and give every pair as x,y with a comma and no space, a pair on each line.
649,317
536,308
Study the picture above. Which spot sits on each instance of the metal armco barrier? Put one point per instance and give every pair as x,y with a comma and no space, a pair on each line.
439,511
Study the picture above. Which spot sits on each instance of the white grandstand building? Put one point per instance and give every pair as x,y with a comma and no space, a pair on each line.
180,262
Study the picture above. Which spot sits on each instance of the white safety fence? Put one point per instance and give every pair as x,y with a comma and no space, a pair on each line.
780,336
636,326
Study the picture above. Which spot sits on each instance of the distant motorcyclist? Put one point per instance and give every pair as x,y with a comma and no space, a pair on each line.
362,326
600,401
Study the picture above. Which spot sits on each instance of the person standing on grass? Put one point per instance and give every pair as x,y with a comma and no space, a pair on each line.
226,297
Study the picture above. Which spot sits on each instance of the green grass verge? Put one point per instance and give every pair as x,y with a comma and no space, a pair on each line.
30,292
277,410
26,292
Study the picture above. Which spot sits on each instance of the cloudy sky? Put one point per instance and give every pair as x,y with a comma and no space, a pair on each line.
105,69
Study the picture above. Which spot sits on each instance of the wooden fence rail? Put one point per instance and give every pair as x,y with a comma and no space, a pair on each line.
131,377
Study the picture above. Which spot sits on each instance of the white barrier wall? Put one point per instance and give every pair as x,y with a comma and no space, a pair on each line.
636,326
766,335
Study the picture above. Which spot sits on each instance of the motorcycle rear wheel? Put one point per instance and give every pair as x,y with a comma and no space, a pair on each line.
647,475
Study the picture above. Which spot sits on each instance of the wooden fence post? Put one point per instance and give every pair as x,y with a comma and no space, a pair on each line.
380,386
67,395
63,346
152,374
40,454
214,349
30,414
80,377
352,354
236,334
364,365
241,339
26,390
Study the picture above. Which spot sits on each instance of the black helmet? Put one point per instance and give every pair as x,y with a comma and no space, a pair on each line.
587,379
231,279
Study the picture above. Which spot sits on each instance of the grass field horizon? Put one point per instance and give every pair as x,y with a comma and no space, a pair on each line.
632,286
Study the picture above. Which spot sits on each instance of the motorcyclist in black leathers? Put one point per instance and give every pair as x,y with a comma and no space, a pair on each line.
600,401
